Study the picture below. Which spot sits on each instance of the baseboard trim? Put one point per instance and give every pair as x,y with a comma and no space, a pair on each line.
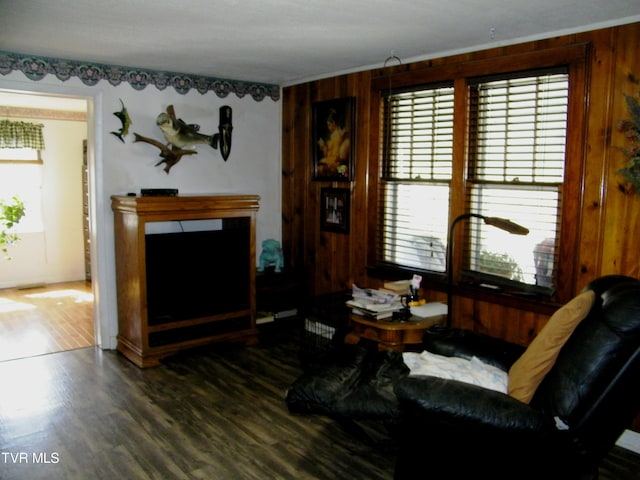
29,286
630,440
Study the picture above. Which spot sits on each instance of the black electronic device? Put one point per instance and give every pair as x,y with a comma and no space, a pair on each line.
159,192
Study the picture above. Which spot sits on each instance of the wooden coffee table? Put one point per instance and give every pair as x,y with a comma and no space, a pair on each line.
390,335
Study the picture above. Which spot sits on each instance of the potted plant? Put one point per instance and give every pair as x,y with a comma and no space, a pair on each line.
10,214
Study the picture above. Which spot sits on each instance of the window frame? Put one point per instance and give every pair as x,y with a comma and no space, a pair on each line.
33,222
479,179
427,182
461,71
15,160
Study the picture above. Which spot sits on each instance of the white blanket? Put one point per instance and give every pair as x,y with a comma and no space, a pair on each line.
472,371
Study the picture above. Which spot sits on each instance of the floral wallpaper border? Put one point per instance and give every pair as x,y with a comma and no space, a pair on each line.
36,68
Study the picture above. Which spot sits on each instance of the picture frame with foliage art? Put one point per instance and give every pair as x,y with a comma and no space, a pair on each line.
631,129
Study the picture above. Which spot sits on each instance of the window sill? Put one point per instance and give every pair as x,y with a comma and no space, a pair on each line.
529,302
505,296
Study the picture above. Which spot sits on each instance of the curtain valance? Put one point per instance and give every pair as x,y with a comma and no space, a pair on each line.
21,135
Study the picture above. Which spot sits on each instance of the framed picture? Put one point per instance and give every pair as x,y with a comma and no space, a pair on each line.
334,209
332,138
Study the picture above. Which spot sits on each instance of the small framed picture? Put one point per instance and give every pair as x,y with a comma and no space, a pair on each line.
334,209
332,139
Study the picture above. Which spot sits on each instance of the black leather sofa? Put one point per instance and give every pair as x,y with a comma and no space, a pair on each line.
450,429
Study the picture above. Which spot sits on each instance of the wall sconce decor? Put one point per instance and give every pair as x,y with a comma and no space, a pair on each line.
224,131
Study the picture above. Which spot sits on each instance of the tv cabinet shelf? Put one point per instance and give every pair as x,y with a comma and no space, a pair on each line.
184,289
159,327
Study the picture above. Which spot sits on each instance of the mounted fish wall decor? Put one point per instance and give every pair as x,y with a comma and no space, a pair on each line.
180,135
124,118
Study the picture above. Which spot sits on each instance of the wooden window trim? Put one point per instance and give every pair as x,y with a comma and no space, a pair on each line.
460,70
20,162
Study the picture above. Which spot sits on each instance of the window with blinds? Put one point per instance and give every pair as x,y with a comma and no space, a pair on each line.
417,169
517,135
21,175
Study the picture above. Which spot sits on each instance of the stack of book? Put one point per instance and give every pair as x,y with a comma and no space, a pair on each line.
399,287
374,304
375,311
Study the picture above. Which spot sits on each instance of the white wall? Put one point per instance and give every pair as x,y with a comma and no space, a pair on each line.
55,254
253,167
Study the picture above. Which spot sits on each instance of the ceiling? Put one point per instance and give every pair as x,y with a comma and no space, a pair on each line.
285,42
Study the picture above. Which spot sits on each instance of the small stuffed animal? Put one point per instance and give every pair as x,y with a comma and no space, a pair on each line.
271,255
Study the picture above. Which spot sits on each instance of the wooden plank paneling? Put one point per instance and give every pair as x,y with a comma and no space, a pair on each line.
606,227
589,258
622,215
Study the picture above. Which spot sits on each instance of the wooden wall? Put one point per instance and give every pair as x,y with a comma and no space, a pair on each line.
608,228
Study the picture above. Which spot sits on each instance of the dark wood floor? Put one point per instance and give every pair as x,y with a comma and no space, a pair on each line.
216,413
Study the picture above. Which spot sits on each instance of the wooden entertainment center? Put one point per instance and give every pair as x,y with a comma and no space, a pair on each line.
187,287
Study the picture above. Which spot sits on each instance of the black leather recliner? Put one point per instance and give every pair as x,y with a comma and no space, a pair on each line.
449,429
454,430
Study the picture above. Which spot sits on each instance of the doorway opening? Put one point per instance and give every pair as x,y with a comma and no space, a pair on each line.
47,301
46,319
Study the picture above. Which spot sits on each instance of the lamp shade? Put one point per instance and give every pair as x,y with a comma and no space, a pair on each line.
506,225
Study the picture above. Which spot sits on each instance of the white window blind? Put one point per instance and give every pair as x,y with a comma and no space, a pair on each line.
417,169
518,140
